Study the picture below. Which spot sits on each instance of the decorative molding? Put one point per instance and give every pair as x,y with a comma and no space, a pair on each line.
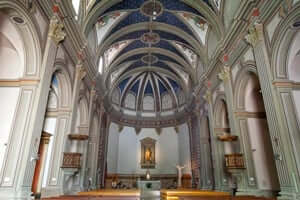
250,114
227,137
56,30
285,84
18,82
46,137
78,137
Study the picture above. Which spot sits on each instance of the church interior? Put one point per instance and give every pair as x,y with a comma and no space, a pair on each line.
150,99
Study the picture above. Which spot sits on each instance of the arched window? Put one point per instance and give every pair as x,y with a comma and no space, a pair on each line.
76,5
100,68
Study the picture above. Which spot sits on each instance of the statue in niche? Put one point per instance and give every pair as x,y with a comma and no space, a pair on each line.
148,153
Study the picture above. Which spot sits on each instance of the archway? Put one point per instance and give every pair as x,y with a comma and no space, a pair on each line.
56,118
250,100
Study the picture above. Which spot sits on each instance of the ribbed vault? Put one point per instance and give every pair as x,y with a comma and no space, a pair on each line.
148,52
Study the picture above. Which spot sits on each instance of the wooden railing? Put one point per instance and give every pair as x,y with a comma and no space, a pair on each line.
71,160
234,161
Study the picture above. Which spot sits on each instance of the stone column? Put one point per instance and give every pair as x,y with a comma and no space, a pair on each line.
281,142
85,156
206,169
25,138
79,75
217,154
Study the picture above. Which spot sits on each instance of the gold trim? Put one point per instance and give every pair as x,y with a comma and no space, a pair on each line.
18,82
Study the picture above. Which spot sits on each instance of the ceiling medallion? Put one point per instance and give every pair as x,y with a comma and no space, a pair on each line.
152,8
149,59
150,38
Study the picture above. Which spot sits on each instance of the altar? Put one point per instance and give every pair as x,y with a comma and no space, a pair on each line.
149,188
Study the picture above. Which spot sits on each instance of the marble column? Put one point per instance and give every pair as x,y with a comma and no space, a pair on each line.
281,142
25,139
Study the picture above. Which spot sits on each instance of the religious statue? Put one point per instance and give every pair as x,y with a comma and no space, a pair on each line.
148,155
179,168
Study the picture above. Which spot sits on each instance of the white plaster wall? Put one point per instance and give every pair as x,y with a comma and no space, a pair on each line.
262,153
113,149
8,104
129,156
184,148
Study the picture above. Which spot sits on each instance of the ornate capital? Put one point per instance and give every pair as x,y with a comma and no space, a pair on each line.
255,34
225,74
207,96
80,72
46,137
56,30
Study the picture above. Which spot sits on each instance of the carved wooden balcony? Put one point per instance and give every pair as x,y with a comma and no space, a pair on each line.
234,161
78,137
71,160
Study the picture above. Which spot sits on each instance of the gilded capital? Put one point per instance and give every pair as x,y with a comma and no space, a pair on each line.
80,72
224,75
207,96
254,34
56,30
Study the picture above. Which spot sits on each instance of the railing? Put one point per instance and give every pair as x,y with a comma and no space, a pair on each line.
71,160
234,161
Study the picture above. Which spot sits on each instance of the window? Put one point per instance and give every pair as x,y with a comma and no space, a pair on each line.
76,5
100,68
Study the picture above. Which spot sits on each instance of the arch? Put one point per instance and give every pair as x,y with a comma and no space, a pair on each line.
220,112
29,46
285,35
64,83
240,84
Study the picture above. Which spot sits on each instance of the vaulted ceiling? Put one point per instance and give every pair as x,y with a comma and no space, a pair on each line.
149,52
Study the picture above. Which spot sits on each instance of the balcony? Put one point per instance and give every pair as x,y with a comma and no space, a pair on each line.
234,161
71,160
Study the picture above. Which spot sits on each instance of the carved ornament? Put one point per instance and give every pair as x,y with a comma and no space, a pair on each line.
56,30
224,75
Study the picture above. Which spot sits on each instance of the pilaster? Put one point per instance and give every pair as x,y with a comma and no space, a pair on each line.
281,142
216,151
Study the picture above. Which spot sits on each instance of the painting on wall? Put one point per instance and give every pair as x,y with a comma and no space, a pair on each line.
148,153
